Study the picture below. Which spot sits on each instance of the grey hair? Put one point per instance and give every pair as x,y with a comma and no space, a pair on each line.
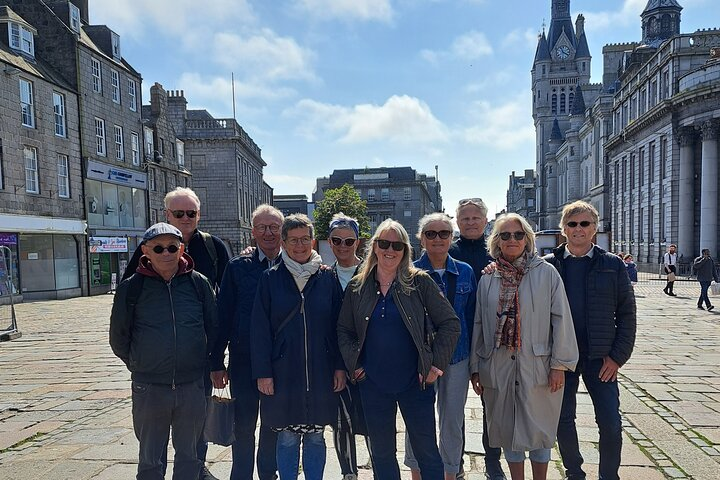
296,220
269,209
477,202
493,243
181,192
433,217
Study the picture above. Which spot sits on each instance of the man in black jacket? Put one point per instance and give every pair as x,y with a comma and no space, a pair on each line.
602,302
471,217
163,320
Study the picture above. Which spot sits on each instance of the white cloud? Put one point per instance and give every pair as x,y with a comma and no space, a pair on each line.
505,126
527,39
379,10
264,56
401,119
493,79
628,14
467,47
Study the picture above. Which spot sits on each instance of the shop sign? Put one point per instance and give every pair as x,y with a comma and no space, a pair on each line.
120,176
8,238
108,244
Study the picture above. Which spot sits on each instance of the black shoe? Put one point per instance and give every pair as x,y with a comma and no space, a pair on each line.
665,291
672,294
206,475
700,307
710,307
495,476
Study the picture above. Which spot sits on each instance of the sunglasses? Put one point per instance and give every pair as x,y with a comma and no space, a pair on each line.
337,241
431,234
170,248
583,224
469,201
385,244
516,235
182,213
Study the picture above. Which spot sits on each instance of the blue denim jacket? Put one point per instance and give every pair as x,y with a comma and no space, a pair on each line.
465,297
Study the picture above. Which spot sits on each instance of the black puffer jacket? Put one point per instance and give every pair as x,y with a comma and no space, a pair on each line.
611,316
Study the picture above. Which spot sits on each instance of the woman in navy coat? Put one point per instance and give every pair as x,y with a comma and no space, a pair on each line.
294,351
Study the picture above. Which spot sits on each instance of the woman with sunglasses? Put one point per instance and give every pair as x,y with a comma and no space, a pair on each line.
294,354
457,283
523,342
385,333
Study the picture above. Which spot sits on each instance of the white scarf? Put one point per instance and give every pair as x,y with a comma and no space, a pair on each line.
301,272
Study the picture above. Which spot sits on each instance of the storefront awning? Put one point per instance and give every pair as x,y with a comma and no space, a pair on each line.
34,224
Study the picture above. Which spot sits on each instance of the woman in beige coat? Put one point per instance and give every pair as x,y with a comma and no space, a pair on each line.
523,342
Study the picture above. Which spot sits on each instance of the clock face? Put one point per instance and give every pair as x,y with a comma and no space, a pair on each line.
563,52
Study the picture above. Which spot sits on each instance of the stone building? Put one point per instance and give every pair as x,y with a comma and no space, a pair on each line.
227,170
289,204
164,154
400,193
42,220
90,58
521,196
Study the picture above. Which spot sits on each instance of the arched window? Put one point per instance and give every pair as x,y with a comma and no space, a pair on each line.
562,103
554,104
665,22
571,99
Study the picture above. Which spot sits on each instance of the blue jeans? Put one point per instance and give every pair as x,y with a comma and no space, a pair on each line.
704,294
288,455
418,410
606,401
247,400
158,408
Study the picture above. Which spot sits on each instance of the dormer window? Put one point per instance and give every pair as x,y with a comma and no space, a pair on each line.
115,40
74,17
21,39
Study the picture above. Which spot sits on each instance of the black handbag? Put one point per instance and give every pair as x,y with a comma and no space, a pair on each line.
220,419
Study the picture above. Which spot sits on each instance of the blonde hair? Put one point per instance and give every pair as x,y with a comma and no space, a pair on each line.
576,208
494,240
181,192
405,272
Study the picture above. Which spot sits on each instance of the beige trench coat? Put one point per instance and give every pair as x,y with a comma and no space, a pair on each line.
522,413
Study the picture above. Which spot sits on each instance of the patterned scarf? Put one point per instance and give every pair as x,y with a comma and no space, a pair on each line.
507,331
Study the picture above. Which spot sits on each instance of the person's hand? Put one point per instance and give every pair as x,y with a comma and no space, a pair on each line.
556,380
432,375
608,372
248,251
219,378
359,375
490,269
266,386
339,380
325,267
475,382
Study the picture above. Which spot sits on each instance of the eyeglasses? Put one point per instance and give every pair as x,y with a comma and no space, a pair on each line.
583,224
337,241
516,235
431,234
295,241
385,244
263,228
182,213
170,248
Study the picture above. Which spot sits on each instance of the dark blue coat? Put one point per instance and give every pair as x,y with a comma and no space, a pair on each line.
472,252
294,341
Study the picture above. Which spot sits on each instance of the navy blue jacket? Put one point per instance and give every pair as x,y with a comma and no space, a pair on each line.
610,299
464,301
302,356
235,303
472,252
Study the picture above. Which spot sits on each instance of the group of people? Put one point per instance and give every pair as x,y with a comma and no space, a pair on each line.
346,345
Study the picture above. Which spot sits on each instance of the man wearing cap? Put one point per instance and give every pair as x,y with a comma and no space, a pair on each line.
162,321
471,218
235,303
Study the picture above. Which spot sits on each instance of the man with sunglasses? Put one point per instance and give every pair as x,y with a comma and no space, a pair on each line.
471,248
602,303
163,335
235,304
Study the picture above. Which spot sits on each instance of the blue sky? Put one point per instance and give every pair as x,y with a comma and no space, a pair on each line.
326,84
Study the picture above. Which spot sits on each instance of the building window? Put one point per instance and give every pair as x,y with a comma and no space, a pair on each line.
115,40
152,180
31,170
641,167
21,39
119,144
571,100
180,146
115,83
132,93
26,103
96,75
407,193
74,17
63,176
651,163
385,194
135,147
149,146
408,213
100,136
2,181
553,105
663,157
562,103
59,109
371,195
544,69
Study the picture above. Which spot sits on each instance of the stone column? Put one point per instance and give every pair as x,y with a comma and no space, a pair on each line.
686,210
709,195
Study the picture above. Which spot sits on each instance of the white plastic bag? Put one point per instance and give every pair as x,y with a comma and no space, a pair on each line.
715,288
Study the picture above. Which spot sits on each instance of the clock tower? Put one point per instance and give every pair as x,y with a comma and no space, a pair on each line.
562,62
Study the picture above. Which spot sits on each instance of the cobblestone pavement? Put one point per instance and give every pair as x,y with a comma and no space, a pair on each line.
65,399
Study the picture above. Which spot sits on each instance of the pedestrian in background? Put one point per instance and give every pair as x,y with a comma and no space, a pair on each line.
670,266
704,267
162,323
631,268
523,343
